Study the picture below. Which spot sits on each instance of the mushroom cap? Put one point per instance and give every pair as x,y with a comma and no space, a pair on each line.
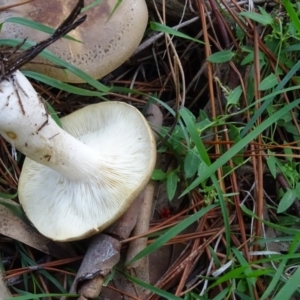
64,209
108,38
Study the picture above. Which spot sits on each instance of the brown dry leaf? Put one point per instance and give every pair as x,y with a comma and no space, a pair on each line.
13,227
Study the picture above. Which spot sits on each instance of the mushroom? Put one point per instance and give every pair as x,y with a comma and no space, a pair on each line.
107,38
77,180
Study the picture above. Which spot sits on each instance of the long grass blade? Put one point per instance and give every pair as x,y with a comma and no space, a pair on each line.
241,144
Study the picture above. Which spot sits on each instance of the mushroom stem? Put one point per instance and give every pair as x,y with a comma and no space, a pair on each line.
27,125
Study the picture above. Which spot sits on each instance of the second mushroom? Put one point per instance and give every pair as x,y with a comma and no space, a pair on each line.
107,38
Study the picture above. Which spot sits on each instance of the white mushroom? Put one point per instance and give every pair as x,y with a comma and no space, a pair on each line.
75,181
109,35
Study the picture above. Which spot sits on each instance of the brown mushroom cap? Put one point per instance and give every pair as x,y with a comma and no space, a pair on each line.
107,40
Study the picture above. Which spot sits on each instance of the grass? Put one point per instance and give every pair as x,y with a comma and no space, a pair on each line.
232,173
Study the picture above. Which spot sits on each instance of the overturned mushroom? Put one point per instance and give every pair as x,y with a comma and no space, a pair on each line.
77,180
109,36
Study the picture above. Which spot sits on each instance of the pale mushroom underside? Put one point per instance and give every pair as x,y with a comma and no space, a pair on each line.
64,209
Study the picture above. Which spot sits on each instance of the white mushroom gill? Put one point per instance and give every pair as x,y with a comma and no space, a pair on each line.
79,179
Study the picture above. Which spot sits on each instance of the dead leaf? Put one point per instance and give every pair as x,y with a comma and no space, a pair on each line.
13,227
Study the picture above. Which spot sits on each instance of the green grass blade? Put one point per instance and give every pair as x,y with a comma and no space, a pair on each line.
168,108
242,296
270,98
15,209
262,19
190,124
61,85
58,61
215,257
229,275
192,130
238,273
166,29
289,231
172,232
157,291
53,114
222,294
224,213
289,287
36,25
241,144
276,277
89,6
221,57
250,281
294,16
54,281
8,196
280,257
280,269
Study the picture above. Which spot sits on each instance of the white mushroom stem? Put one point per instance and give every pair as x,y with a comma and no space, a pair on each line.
26,124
